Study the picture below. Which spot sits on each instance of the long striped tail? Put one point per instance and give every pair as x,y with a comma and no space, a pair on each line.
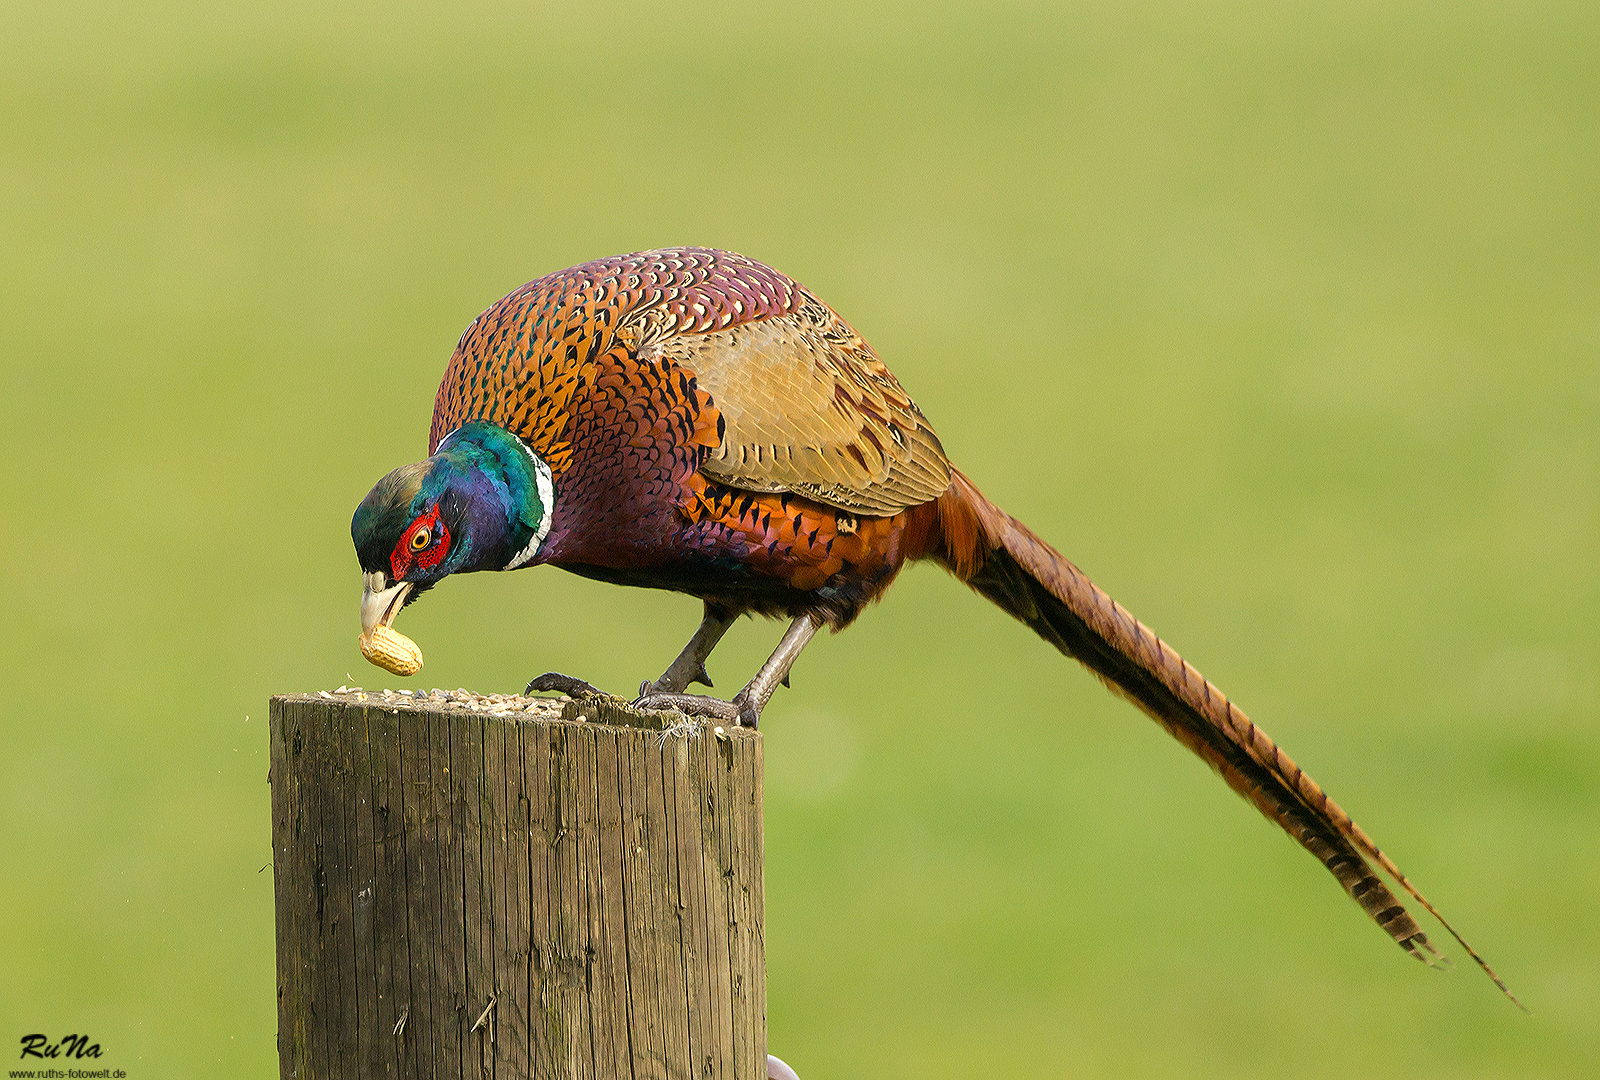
1000,558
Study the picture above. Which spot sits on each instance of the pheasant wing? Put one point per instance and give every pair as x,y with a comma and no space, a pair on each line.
808,407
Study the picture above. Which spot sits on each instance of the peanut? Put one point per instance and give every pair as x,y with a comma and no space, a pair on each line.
392,651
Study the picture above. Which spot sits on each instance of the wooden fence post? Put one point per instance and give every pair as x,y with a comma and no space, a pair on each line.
511,887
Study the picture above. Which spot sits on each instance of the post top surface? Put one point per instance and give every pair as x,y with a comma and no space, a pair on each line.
598,709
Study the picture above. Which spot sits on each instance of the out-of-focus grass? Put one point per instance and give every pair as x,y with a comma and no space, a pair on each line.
1281,320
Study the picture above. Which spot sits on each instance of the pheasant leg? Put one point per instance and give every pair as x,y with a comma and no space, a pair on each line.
690,666
746,707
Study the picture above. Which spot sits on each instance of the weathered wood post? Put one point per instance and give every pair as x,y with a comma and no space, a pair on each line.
510,887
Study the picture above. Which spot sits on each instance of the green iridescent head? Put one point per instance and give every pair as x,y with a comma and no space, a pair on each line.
482,502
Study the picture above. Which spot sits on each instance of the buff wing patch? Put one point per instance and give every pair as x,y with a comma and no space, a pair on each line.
809,408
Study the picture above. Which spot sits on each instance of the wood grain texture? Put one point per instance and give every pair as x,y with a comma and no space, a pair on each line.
514,895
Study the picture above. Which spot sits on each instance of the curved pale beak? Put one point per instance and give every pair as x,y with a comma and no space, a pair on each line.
379,605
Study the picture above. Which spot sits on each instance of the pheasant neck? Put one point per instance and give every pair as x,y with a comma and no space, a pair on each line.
545,489
516,490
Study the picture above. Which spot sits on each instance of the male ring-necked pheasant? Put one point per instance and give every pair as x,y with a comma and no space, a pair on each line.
692,420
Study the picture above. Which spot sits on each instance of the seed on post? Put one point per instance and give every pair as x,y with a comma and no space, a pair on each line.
392,651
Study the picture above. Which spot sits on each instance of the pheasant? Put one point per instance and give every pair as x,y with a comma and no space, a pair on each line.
690,419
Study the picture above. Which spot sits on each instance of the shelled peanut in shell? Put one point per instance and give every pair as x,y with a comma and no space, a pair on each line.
392,651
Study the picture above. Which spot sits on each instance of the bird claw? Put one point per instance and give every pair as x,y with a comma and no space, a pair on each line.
561,684
738,711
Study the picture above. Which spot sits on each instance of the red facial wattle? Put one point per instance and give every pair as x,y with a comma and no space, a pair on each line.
424,553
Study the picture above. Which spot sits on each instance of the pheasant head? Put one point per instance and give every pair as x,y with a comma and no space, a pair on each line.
482,502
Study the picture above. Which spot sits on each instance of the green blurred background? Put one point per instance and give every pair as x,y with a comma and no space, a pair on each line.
1281,319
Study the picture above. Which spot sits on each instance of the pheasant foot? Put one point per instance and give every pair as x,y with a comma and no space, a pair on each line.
738,711
561,684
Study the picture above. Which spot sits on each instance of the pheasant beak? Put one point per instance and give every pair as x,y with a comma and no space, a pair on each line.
380,604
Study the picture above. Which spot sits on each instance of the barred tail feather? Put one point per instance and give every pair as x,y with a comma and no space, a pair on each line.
1000,558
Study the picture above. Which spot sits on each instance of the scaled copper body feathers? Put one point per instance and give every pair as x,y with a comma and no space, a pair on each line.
690,419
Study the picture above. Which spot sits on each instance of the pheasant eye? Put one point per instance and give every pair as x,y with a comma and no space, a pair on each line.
419,539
